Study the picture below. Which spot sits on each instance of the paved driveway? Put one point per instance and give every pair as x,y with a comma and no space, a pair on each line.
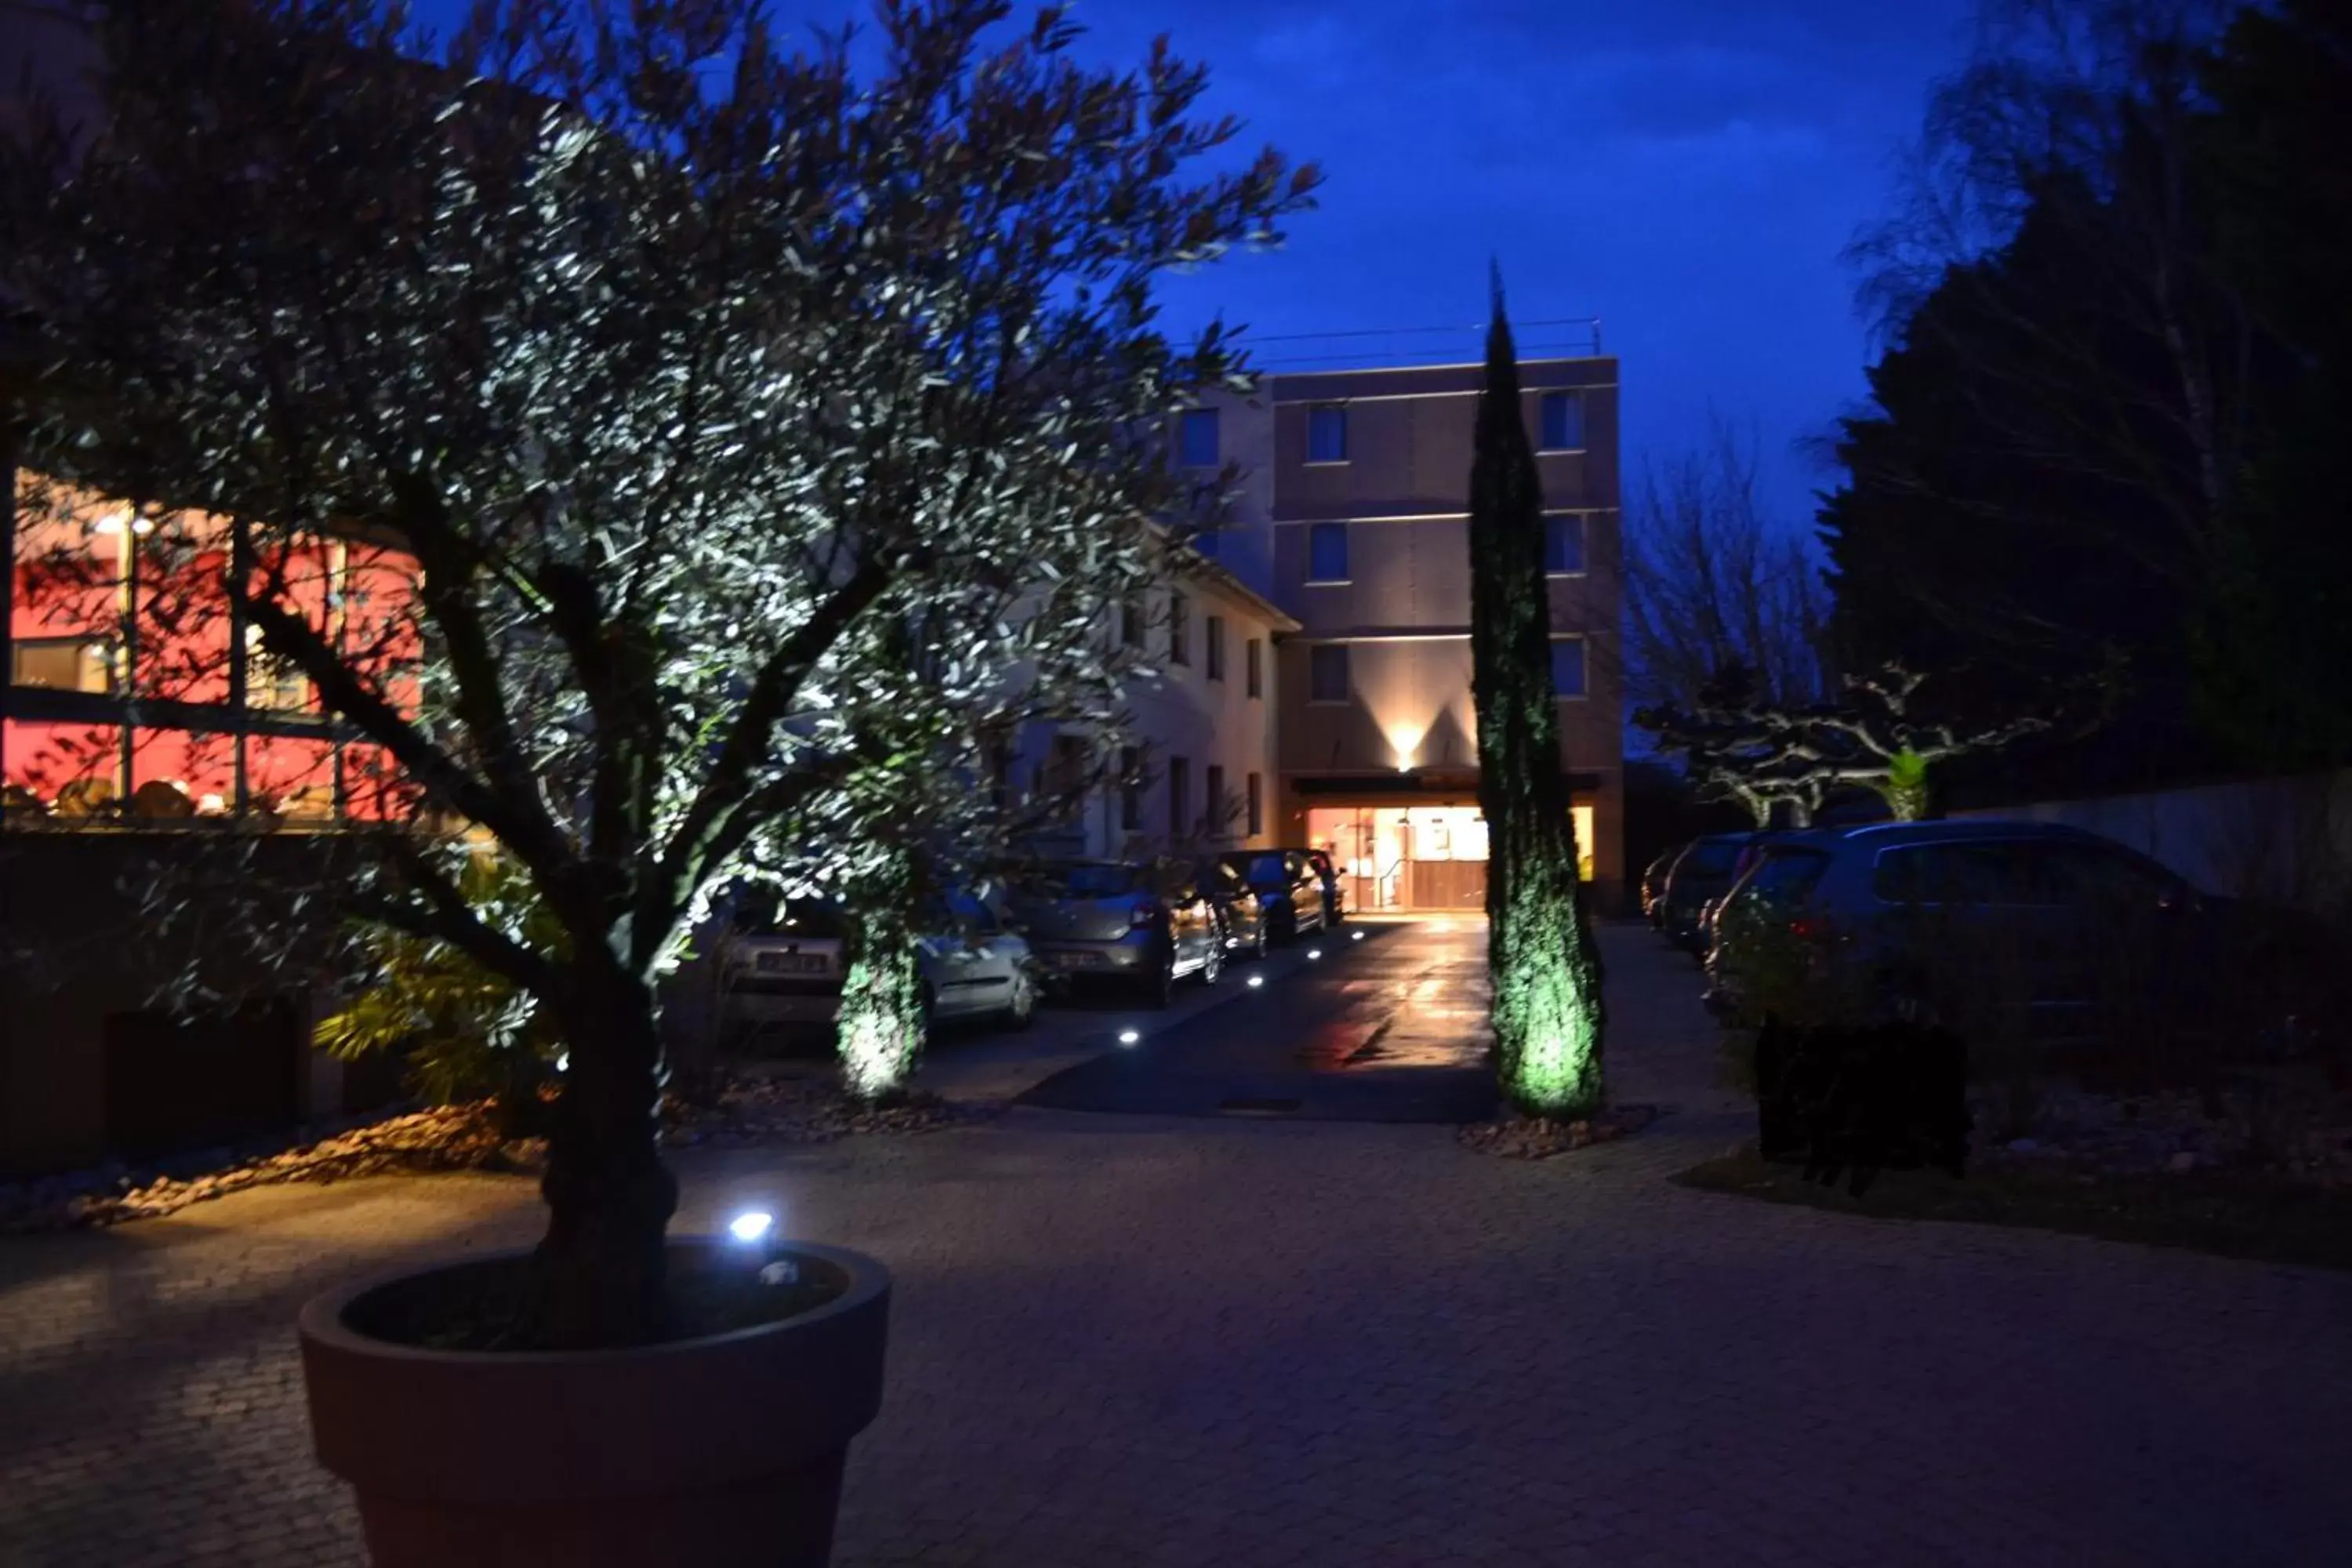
1145,1339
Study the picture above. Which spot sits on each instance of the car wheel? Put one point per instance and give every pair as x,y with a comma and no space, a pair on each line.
1213,964
1021,1007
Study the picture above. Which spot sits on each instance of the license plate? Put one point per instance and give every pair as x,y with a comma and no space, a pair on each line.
1079,960
791,963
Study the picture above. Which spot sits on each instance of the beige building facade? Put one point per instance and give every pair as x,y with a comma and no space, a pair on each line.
1358,528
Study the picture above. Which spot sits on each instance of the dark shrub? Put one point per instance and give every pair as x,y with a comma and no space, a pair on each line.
1851,1101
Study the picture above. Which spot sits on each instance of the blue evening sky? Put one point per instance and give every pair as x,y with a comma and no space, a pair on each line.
1688,170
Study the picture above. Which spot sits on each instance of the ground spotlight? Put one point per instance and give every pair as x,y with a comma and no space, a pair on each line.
750,1225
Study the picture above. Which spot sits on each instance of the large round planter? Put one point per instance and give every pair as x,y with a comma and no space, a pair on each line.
721,1452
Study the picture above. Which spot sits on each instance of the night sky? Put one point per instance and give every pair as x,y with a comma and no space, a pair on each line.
1688,170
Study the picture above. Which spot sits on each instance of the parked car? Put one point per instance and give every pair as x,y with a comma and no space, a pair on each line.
1288,887
1654,883
1241,914
1701,873
1751,849
2047,933
1145,923
783,962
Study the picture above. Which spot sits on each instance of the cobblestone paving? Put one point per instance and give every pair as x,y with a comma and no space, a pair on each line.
1141,1341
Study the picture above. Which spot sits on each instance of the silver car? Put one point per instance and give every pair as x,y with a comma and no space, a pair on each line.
783,966
1144,925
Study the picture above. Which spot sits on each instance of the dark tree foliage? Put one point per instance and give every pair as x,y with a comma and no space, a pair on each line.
2279,146
1541,959
2108,440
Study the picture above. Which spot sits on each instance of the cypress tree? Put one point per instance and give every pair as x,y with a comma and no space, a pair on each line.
1544,969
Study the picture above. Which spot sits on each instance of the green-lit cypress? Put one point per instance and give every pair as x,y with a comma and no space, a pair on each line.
1540,957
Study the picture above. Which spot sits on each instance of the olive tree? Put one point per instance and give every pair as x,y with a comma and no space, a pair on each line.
688,375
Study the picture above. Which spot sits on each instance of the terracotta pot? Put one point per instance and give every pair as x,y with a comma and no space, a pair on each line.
720,1452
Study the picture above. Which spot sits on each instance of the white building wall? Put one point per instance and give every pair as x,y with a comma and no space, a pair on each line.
1179,713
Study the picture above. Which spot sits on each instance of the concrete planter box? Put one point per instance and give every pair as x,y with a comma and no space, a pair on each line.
720,1452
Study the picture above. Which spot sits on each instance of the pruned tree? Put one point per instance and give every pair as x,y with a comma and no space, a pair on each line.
1542,964
678,378
1712,583
1740,744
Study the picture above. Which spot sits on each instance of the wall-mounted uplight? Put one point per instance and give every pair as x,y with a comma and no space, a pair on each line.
1404,743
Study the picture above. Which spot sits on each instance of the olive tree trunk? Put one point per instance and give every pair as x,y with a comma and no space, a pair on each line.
1541,962
609,1196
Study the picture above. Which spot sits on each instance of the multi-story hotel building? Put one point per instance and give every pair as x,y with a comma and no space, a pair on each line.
1352,517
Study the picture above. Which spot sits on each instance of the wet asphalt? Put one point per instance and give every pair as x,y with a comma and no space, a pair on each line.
1391,1026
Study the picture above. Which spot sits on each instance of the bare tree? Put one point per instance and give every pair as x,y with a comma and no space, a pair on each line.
1713,584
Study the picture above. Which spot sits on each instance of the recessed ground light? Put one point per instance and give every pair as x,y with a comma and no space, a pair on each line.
1257,981
1128,1037
1313,953
750,1225
1355,936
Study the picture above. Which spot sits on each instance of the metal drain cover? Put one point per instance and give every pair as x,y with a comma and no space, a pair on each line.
1255,1105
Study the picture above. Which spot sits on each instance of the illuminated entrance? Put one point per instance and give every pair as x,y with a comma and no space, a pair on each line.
1418,856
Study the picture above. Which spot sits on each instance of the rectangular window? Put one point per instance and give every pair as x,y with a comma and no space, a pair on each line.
1180,797
1254,666
1256,805
1327,673
1000,774
66,664
274,681
1567,666
1327,434
1564,421
1327,553
1212,646
1564,545
1200,438
1130,789
1180,643
1214,803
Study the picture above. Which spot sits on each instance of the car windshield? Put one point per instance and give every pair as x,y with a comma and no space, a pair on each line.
1708,859
1786,876
1219,877
759,912
1266,869
1088,879
954,912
